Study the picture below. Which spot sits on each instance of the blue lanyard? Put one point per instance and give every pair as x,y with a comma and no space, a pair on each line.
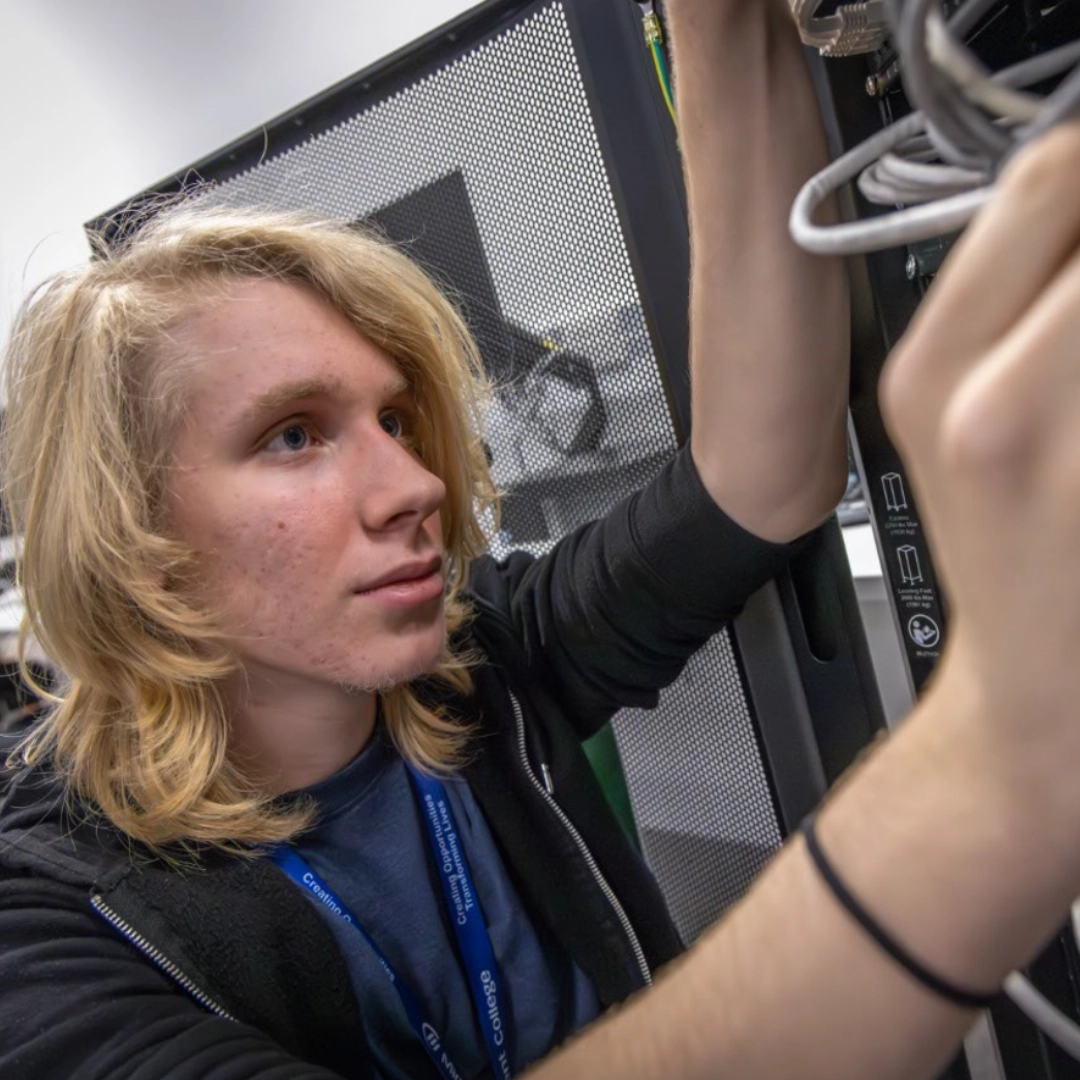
485,984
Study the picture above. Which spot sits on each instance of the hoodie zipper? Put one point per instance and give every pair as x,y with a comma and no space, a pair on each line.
590,861
160,960
156,956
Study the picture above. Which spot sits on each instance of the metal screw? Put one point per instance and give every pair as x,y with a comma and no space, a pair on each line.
911,267
878,83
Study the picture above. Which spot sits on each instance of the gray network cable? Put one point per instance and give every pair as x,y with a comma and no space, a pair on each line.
962,133
1046,1016
891,180
851,29
972,78
941,162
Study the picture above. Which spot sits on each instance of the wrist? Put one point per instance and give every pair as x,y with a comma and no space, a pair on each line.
1021,749
959,850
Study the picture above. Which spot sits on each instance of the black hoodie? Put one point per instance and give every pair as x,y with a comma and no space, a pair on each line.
114,964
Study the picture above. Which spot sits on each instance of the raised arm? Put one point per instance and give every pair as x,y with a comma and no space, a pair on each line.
961,835
769,324
619,607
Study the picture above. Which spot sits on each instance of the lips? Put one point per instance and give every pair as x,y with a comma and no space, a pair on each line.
404,574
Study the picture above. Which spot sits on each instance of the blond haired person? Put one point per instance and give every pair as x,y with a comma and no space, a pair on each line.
242,456
242,452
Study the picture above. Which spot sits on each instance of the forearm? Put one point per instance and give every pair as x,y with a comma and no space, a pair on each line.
769,323
937,842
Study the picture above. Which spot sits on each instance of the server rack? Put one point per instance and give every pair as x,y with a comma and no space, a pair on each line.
859,96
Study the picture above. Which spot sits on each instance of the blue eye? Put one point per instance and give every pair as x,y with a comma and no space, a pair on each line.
392,424
294,437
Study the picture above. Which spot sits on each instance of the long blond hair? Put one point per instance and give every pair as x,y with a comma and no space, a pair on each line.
139,727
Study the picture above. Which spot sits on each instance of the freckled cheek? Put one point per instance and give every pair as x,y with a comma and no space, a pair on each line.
238,528
261,560
243,554
270,588
289,560
278,556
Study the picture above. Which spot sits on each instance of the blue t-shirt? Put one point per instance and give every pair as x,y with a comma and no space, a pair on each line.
371,848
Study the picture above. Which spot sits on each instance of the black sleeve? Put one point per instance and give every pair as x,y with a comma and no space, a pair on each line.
78,1003
612,614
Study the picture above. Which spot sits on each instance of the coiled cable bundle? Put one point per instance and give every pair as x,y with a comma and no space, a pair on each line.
939,164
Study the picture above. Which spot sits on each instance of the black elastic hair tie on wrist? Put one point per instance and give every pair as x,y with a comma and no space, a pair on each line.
955,994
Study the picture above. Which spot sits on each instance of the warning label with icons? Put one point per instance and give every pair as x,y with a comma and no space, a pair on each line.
910,574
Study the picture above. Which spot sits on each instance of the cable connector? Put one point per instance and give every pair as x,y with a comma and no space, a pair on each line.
854,28
654,40
653,33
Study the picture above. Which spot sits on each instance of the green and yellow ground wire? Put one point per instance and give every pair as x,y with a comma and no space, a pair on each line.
654,38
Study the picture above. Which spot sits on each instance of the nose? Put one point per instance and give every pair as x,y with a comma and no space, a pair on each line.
395,488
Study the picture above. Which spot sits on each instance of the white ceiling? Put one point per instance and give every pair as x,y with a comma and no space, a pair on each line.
103,99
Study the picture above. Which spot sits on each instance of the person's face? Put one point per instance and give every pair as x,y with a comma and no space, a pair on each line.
294,480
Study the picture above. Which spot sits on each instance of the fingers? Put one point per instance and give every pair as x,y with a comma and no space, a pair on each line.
1035,391
1010,435
1007,258
1014,248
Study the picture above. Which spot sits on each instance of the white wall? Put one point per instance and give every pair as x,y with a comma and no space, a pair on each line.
102,98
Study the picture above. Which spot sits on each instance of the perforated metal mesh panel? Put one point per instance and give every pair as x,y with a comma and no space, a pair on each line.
699,790
489,172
